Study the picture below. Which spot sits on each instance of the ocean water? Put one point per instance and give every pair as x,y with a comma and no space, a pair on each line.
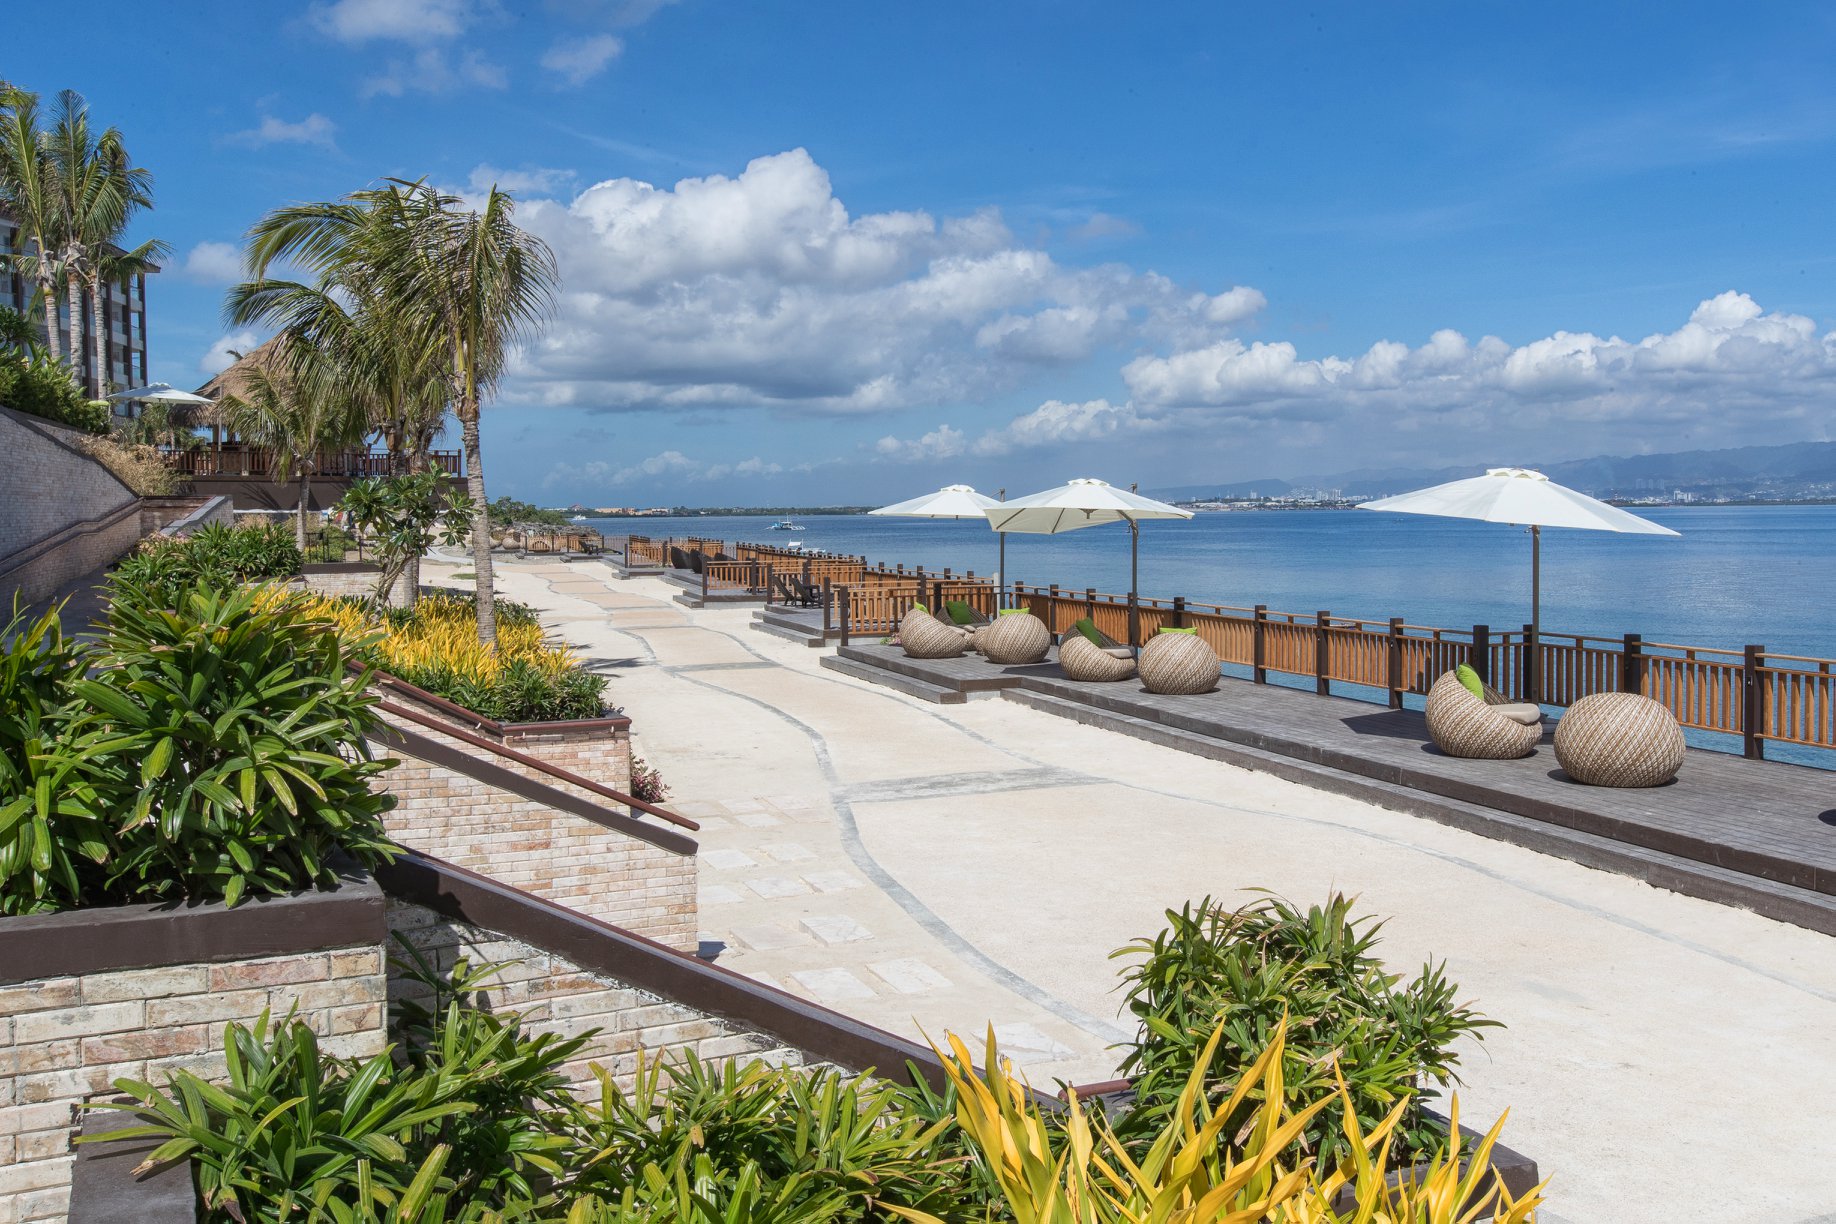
1738,575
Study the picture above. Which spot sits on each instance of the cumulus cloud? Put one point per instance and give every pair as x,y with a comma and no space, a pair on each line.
1056,423
212,263
578,60
432,70
763,290
411,21
672,465
944,442
221,355
314,129
529,180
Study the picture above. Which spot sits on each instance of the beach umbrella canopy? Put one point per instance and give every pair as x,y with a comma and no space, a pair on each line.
1082,503
158,393
1525,498
957,501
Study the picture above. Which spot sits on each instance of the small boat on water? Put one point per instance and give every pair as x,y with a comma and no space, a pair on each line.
784,524
578,518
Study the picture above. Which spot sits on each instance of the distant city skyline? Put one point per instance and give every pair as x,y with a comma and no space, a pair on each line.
834,253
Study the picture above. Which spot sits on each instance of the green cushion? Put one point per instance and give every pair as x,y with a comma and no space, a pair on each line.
921,607
1088,628
1179,630
1016,611
1470,679
959,611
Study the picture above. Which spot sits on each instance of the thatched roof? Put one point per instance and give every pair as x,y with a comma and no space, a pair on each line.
230,381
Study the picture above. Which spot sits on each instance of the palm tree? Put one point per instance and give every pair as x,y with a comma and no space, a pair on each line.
97,191
487,283
26,188
111,265
431,273
293,417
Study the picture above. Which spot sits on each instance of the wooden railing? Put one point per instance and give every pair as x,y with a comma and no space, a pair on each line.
642,550
875,610
332,465
1746,693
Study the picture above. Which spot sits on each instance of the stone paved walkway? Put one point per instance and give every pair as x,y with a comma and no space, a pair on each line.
937,869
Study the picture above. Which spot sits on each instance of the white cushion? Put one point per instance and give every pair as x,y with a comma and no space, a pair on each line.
1522,712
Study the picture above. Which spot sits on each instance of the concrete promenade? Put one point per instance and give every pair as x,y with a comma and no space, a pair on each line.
940,868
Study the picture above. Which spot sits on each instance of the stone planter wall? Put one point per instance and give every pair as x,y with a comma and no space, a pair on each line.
91,996
471,802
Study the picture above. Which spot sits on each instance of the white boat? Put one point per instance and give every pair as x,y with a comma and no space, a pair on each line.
579,518
785,524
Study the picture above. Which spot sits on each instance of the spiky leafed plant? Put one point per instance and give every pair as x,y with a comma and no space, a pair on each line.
97,189
26,189
487,284
295,415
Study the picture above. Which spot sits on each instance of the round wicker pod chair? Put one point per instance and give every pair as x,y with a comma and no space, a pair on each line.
1179,664
923,636
1619,739
1015,637
1463,725
1081,659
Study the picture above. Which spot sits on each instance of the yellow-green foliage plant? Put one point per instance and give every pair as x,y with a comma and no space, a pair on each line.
1072,1169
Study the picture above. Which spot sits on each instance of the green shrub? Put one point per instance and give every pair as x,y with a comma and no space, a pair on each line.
1247,969
39,387
236,738
217,556
329,545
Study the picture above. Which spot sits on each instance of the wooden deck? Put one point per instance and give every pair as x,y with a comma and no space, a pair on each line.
1759,834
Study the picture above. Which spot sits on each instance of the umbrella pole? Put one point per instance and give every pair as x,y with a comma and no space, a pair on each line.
1001,571
1536,613
1134,585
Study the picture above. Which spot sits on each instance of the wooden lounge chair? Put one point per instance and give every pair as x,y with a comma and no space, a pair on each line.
790,589
1488,729
677,558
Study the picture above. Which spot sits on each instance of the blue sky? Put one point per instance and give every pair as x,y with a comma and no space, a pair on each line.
846,252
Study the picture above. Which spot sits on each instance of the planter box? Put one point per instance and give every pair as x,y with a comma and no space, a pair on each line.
90,996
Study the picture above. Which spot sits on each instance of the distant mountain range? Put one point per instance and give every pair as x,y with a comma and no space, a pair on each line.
1793,470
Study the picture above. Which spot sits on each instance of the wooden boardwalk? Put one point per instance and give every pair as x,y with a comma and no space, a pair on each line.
1759,834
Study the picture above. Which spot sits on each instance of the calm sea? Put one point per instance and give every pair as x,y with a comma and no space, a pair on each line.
1738,575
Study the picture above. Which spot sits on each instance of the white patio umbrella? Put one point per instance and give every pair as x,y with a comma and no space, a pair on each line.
158,393
1088,503
957,501
1528,499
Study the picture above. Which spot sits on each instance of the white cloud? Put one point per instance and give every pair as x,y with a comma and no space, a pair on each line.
1057,423
530,180
432,70
670,465
212,263
578,60
762,290
221,355
314,129
944,442
410,21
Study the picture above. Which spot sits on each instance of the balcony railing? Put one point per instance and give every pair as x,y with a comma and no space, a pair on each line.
349,464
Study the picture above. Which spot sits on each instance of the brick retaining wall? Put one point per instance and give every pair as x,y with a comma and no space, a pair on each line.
62,514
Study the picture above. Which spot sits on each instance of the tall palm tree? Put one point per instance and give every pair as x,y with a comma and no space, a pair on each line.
487,284
97,191
380,350
293,416
113,266
26,189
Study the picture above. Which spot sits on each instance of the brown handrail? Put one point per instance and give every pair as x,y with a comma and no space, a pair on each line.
538,764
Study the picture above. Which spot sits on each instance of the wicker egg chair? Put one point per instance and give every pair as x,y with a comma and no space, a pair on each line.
1081,659
1619,739
1463,725
1179,664
1015,637
923,636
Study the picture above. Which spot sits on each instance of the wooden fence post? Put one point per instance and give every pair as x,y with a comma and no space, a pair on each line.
1632,664
704,578
767,579
1051,616
1395,669
1179,611
1752,703
844,616
921,598
1259,671
1322,654
1531,650
828,591
1482,652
